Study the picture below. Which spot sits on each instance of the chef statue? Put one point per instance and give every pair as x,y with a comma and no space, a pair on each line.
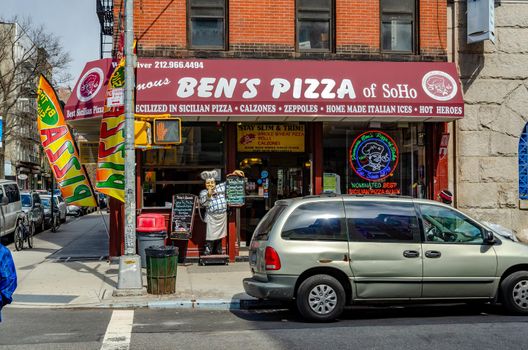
213,198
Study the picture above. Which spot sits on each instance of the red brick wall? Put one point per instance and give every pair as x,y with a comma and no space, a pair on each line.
433,26
267,28
157,23
357,25
262,21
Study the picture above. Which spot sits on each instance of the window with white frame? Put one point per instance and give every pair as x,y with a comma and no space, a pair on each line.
398,25
207,24
315,25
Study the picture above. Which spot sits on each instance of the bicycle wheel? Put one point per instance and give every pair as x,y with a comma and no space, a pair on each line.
30,235
19,238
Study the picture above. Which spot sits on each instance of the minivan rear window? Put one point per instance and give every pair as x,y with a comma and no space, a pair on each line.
265,225
318,221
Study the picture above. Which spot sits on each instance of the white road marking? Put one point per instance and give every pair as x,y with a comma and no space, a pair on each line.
119,330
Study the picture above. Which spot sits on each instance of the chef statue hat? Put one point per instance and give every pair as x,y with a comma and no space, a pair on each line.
209,174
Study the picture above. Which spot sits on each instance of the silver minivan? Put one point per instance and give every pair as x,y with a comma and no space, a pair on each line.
326,252
11,208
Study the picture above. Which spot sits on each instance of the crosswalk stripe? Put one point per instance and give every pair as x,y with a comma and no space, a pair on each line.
119,330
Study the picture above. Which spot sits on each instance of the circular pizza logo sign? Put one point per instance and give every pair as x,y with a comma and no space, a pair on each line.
373,155
90,84
439,85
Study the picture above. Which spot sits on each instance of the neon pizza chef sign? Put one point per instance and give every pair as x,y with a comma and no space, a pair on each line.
373,155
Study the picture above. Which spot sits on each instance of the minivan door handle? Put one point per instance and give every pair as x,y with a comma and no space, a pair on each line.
411,254
433,254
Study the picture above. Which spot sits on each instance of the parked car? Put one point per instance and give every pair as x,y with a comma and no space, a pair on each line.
325,252
10,208
74,210
63,211
46,204
32,206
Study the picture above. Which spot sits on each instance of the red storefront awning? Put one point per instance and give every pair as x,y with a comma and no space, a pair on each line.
232,89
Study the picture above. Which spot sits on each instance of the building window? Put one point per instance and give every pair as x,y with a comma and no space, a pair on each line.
315,25
207,24
398,25
177,169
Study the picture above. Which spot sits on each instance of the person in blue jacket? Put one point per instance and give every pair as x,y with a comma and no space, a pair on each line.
8,278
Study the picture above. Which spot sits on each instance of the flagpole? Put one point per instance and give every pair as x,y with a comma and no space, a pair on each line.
129,278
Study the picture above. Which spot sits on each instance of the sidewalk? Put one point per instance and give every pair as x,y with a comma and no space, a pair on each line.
69,269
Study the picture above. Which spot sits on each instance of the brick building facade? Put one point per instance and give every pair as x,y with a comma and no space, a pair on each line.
376,69
268,29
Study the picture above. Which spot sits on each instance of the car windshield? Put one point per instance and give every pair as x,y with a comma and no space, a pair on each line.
26,200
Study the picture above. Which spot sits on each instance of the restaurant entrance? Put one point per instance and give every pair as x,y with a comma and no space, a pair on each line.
270,177
276,159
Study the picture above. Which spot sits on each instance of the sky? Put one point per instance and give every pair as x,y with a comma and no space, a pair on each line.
73,21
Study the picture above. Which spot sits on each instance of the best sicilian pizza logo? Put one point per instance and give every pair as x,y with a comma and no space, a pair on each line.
373,155
439,85
90,84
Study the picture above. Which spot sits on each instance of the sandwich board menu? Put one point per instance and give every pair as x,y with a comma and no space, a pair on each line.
182,215
235,191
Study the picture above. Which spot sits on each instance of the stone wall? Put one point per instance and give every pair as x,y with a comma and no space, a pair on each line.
495,83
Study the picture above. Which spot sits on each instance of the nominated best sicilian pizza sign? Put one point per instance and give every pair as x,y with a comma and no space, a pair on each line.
373,157
298,88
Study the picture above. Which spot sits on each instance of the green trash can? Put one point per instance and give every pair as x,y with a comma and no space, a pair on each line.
162,264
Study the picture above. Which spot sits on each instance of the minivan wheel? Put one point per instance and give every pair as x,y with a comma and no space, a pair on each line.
320,298
514,290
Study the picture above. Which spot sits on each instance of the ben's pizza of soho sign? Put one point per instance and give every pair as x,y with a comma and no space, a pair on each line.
290,87
231,87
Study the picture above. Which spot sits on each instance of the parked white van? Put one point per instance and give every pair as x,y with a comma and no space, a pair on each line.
10,208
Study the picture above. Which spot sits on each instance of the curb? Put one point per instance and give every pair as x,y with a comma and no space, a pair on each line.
200,304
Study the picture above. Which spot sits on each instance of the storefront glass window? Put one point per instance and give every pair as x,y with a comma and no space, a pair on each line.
177,169
386,160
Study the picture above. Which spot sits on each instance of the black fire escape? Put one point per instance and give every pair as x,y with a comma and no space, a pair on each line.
105,13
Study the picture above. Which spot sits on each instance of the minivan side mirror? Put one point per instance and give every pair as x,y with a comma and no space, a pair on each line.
4,201
488,237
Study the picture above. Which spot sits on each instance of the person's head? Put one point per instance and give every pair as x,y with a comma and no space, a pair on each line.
445,196
209,178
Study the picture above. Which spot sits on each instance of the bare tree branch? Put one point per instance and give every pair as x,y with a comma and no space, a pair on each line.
26,51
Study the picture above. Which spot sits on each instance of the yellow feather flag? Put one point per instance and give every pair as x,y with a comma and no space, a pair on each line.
60,148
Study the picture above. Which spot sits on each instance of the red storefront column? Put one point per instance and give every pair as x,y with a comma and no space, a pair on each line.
317,150
230,152
437,161
116,244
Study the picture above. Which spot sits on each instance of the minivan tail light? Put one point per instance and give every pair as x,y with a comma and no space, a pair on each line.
272,259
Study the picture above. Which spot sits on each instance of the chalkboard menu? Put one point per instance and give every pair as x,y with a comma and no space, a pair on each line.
182,215
235,191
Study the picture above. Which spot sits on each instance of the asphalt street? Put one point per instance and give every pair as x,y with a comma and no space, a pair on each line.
418,327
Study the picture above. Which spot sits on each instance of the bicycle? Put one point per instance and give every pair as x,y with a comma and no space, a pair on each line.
23,232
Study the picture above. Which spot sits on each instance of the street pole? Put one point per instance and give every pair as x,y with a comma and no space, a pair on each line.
129,278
